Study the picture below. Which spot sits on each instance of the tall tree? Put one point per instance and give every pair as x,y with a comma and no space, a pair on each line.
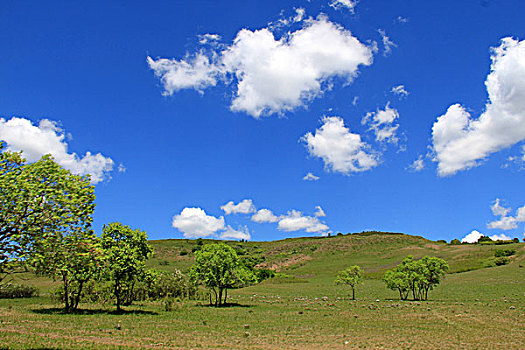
37,200
352,276
125,253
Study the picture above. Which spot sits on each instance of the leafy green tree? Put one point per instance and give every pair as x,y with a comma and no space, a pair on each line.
417,276
352,276
125,253
218,267
37,200
75,259
455,241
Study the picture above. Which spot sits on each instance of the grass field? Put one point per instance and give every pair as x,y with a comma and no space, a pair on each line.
480,308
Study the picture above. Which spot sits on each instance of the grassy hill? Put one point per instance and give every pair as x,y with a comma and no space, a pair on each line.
475,306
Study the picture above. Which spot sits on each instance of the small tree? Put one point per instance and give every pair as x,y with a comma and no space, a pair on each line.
352,276
417,276
125,252
74,258
218,267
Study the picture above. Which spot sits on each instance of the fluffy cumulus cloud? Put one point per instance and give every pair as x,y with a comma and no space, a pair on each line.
461,142
383,124
47,137
241,233
505,222
244,207
475,235
194,222
500,237
295,221
472,237
264,215
196,72
271,75
341,150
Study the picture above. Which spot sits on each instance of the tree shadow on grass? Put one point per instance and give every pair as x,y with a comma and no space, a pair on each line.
62,311
227,305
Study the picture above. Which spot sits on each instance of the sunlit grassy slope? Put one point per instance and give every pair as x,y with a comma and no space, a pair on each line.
482,308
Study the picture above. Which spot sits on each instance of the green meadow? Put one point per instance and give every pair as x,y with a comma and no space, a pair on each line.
476,306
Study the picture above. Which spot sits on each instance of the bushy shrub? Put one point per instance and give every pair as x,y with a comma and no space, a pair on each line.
9,291
504,252
455,241
263,274
501,261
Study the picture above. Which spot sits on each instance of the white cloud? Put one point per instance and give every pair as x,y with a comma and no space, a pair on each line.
417,165
501,237
310,177
399,91
520,215
320,212
341,150
121,168
299,14
499,210
387,43
459,141
194,72
504,223
264,215
295,221
472,237
273,76
244,207
402,19
20,134
382,122
230,233
194,222
344,4
208,38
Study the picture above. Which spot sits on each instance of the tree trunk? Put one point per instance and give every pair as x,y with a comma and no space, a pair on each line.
66,290
77,296
117,294
225,295
353,293
220,296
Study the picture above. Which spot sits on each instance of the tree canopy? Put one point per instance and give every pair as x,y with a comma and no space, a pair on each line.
37,200
125,253
417,276
218,267
352,276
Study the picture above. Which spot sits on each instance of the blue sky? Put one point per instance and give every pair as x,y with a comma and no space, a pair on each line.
308,116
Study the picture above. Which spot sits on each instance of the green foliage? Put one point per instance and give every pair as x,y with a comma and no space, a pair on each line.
37,200
73,258
484,239
125,252
262,274
455,241
502,260
418,276
218,267
352,276
504,252
10,291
